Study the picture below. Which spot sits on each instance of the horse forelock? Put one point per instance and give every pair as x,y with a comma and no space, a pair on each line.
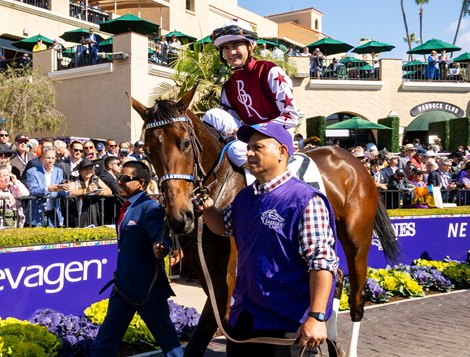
162,110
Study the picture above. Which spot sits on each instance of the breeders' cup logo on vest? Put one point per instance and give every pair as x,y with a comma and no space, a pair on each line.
272,219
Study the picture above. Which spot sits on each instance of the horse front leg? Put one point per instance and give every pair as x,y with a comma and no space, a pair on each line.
217,253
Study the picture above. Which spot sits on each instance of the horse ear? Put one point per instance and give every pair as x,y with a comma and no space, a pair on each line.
185,101
138,106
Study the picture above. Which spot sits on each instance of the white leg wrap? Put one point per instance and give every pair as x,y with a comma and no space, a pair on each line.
354,339
331,325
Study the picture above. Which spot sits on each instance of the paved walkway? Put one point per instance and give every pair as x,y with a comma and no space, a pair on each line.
437,325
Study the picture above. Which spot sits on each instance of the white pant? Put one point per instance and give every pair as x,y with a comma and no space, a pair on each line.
226,123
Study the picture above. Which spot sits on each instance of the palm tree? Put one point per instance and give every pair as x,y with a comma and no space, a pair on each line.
407,38
465,10
420,3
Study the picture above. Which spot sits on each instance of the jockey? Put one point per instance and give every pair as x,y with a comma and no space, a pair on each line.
256,92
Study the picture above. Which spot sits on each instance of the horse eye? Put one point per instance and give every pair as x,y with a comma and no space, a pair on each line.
186,144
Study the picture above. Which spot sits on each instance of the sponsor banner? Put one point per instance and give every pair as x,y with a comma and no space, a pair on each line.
68,277
423,237
66,280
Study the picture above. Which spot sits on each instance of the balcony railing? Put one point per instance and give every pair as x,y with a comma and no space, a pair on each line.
358,70
44,4
419,71
92,14
81,55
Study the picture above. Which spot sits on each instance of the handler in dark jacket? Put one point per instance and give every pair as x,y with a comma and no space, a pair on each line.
142,248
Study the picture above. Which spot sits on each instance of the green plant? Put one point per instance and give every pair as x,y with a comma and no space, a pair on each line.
389,138
405,212
27,100
23,339
396,282
37,236
316,126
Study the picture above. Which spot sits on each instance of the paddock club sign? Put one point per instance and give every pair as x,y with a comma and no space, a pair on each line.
439,106
68,277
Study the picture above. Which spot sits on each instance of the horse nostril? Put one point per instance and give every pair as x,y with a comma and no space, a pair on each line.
189,215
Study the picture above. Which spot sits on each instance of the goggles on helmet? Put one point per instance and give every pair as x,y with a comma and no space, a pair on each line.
233,30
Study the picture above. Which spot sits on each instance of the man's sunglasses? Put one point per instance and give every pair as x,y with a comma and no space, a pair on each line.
4,135
232,30
125,179
88,147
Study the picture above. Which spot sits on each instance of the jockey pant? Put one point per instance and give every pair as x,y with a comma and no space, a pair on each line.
225,123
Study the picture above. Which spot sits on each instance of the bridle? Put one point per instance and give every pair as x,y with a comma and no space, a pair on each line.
199,175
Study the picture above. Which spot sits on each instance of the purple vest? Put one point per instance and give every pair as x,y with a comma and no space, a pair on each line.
272,278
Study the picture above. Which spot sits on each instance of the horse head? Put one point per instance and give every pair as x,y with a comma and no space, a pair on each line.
174,150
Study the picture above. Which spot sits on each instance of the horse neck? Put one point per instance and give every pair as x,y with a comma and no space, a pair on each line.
228,182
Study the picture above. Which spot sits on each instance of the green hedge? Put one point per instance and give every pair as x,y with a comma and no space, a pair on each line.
389,139
459,131
316,126
38,236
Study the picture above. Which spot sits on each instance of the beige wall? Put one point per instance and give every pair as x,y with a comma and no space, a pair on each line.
94,102
93,98
376,99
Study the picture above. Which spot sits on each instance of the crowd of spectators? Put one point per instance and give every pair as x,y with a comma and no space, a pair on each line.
55,184
397,174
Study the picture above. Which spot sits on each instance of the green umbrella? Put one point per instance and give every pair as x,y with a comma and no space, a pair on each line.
409,75
433,45
413,65
127,23
28,43
353,60
464,57
77,34
181,36
330,46
421,122
366,67
373,47
204,41
357,123
262,41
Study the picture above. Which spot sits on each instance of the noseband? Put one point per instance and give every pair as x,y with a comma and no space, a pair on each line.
199,174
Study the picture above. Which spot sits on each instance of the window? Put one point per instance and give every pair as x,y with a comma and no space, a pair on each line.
190,5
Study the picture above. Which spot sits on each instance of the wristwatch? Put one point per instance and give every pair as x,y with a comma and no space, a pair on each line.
319,316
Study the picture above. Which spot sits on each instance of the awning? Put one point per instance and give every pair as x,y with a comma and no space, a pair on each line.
7,44
421,122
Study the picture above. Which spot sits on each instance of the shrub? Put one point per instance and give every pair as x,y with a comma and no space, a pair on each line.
21,338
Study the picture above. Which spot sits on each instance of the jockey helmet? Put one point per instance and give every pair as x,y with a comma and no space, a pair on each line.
235,30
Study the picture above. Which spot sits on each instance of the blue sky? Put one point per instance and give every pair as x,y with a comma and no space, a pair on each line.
382,20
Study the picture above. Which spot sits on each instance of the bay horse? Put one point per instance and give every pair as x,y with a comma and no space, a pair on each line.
183,150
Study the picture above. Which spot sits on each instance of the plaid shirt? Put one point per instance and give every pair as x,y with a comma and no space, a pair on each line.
316,238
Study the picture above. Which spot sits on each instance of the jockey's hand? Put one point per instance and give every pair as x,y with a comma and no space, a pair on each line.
160,250
312,332
204,202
